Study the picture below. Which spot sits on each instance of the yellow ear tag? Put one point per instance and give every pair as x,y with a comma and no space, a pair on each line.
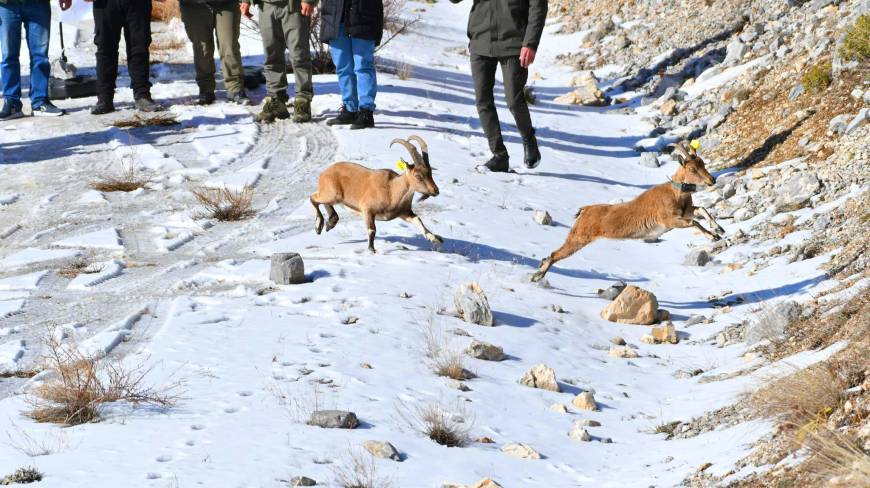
695,144
402,165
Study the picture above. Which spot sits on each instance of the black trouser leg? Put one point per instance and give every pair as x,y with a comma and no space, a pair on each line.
137,34
108,22
515,77
483,72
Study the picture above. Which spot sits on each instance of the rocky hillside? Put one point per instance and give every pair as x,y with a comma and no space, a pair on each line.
778,95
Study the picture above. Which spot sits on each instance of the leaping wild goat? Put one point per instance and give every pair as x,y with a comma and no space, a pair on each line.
654,212
377,194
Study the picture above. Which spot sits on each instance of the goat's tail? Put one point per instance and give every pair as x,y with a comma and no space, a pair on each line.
579,211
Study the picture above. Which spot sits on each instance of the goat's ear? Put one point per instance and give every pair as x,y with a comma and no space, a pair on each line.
681,154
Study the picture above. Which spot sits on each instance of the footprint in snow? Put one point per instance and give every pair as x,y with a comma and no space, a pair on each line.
164,458
197,427
245,393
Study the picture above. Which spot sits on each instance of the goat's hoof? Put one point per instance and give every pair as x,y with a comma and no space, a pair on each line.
436,239
330,224
536,277
372,250
318,227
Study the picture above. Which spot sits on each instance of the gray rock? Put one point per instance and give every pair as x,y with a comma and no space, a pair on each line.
485,351
822,222
472,305
771,323
796,190
735,51
698,257
458,385
334,419
695,320
383,450
611,292
838,124
743,214
649,159
589,423
287,268
302,481
618,340
859,120
542,217
796,92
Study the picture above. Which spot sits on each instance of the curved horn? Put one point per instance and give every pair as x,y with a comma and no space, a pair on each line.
423,147
410,147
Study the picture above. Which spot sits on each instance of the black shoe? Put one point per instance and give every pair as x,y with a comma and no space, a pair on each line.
48,109
532,154
103,107
344,117
205,98
499,163
146,104
365,119
239,98
11,109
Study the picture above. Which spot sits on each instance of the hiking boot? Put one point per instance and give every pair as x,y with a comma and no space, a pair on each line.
205,98
273,108
532,154
365,119
301,111
146,104
344,117
103,107
11,109
239,98
499,163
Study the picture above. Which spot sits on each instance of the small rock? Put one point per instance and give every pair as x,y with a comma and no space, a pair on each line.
796,190
457,385
735,51
859,120
383,450
695,320
578,433
796,92
698,257
542,217
334,419
633,306
585,401
665,333
485,440
647,339
472,305
588,423
669,107
287,268
559,408
623,352
743,214
586,91
541,376
521,451
486,483
611,292
838,124
485,351
649,159
460,332
302,481
771,322
606,440
365,366
618,340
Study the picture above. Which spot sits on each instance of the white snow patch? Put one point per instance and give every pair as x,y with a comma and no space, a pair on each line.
34,255
108,270
101,239
29,281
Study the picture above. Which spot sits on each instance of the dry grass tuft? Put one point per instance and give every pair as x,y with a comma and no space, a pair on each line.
225,204
405,71
856,46
127,181
22,476
809,393
444,356
165,11
19,373
77,266
360,471
139,120
837,459
81,384
451,429
818,77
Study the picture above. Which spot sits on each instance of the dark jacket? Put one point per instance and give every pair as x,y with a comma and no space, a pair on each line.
363,19
499,28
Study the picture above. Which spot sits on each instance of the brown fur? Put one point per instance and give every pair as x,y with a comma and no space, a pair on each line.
376,194
651,214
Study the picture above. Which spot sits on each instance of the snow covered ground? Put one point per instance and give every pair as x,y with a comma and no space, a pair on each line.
190,297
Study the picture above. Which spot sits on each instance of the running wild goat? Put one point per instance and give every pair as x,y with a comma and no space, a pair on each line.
654,212
376,194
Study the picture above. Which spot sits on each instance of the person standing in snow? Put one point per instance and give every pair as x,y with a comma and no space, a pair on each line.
505,33
35,15
353,28
203,19
133,17
285,25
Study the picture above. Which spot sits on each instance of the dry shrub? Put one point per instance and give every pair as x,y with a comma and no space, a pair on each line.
127,181
138,120
444,356
165,11
405,71
77,266
50,442
81,384
225,204
805,395
818,77
837,459
19,373
22,476
451,429
856,45
359,471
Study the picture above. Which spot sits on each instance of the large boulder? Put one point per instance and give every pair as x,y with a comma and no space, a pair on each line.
633,306
472,305
541,376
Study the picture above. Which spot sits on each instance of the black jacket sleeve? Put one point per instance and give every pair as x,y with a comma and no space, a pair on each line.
535,27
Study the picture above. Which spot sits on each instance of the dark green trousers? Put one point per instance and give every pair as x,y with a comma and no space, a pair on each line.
514,77
202,23
284,28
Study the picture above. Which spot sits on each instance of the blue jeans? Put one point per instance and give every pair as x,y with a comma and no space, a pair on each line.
355,65
36,18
